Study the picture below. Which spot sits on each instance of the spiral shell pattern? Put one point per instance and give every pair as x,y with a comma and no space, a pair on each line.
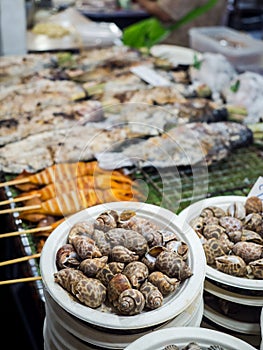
153,297
131,302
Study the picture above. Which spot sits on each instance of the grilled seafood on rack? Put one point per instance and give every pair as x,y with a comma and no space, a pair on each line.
235,244
103,250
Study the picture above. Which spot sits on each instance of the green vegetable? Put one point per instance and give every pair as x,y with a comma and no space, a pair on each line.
197,63
235,86
149,32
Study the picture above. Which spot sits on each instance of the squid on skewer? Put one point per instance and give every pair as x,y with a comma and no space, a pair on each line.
100,181
57,173
72,202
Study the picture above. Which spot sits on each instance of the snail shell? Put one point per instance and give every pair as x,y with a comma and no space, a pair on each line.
192,346
105,275
101,242
248,251
122,254
91,292
251,236
137,272
212,248
171,347
197,225
231,264
125,215
165,284
146,228
90,267
128,238
179,247
131,302
213,231
83,228
107,220
230,223
68,278
67,256
153,297
168,236
236,209
254,222
173,265
116,286
116,267
253,204
85,247
257,268
225,242
212,211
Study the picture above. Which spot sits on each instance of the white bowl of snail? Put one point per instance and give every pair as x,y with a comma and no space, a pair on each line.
189,214
173,304
181,336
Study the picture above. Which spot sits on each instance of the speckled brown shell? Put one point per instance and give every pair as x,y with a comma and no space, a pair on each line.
105,275
237,210
173,265
85,247
91,292
83,228
212,248
253,204
213,231
116,267
179,247
248,251
107,220
68,278
153,297
251,236
90,267
230,223
117,285
137,272
122,254
257,268
165,284
130,302
192,346
254,222
232,265
67,256
101,242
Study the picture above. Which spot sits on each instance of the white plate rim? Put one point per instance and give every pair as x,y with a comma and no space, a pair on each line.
211,273
158,339
231,296
169,310
228,323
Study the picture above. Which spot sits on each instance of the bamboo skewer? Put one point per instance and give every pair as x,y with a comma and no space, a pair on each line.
20,199
17,260
32,230
14,182
20,280
18,209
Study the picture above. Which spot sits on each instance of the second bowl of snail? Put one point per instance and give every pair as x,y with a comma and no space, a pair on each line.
233,207
173,304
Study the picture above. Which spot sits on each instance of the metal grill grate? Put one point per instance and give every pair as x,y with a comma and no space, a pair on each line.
175,189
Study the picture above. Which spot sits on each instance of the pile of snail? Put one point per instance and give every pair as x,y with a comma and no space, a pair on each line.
233,238
121,263
192,346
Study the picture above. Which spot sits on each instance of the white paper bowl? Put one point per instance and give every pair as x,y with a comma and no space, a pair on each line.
181,336
223,202
173,305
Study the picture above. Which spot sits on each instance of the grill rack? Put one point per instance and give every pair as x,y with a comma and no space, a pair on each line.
175,189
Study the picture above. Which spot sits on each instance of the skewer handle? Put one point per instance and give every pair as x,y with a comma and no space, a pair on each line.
14,182
24,258
20,199
32,230
19,280
18,209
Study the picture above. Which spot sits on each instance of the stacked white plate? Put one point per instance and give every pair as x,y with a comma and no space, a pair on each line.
181,337
238,290
71,325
